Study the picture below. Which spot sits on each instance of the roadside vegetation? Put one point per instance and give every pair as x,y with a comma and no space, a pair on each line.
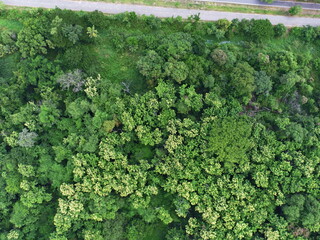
311,1
218,7
125,127
295,10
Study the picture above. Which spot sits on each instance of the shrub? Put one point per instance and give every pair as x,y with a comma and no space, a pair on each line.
98,19
261,30
279,30
295,10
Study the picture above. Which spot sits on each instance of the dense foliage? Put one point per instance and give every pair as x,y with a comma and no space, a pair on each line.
125,127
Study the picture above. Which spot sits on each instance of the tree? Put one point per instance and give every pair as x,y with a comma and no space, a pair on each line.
288,82
219,57
176,45
310,33
176,70
223,24
8,37
33,39
150,66
72,32
189,100
242,81
92,32
63,34
200,68
303,210
37,71
229,141
218,147
263,83
286,61
74,80
26,138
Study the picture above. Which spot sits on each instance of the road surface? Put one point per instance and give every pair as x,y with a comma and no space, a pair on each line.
282,4
112,8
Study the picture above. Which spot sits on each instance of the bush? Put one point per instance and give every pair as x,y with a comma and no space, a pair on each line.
309,34
132,43
98,19
223,24
261,30
152,22
295,10
279,30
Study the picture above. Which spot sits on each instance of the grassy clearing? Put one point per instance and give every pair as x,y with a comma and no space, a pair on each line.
291,44
118,66
121,66
6,24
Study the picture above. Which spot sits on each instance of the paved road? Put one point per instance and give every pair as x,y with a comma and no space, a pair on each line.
159,11
283,4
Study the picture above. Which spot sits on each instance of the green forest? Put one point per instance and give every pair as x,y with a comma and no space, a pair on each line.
127,127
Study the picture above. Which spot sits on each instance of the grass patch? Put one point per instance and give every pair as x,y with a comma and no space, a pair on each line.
8,65
156,232
292,44
119,66
6,24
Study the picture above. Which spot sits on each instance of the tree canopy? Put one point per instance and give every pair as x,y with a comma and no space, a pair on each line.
133,127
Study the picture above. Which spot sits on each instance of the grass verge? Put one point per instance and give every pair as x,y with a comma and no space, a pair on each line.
214,6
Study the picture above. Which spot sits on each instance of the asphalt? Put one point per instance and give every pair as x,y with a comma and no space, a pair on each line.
112,8
281,4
